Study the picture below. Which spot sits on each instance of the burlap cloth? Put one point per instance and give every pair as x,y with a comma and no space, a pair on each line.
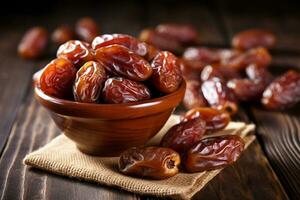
62,157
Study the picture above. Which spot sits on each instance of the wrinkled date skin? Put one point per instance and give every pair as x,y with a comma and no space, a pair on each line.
119,60
149,162
89,81
193,96
219,96
259,56
254,38
185,34
57,78
121,90
217,71
87,29
213,153
166,75
187,71
184,135
259,74
33,43
214,119
246,89
160,41
283,92
136,46
62,34
76,51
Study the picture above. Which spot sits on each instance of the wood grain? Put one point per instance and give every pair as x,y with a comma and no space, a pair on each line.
34,128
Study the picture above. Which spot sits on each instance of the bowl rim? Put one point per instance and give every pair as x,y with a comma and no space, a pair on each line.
111,111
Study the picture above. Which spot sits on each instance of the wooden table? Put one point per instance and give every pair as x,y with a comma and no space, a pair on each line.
269,169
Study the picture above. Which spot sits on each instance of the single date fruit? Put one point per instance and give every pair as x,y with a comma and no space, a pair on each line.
283,92
33,43
214,119
57,78
213,153
89,82
184,135
76,51
149,162
184,33
159,41
219,96
166,75
136,46
62,34
119,60
193,96
259,73
253,38
121,90
87,29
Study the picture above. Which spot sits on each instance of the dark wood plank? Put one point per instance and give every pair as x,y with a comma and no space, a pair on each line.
252,176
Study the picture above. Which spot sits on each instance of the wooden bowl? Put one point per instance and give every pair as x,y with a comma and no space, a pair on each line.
109,129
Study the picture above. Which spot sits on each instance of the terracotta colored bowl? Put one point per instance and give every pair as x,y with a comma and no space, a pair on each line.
108,129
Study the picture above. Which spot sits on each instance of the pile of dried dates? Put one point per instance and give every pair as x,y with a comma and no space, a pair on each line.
114,68
183,147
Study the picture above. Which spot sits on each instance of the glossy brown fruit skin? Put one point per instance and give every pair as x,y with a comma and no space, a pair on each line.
121,90
259,56
166,75
253,38
120,61
214,119
283,92
87,29
136,46
187,71
149,162
193,97
219,96
246,89
213,153
218,71
76,51
62,34
259,74
89,81
57,78
184,33
33,43
184,135
160,41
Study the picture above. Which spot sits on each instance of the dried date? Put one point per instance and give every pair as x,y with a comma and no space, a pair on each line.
187,71
160,41
193,96
184,135
259,74
149,162
33,43
62,34
136,46
166,75
184,33
76,51
57,78
213,153
214,119
87,29
219,96
246,89
119,60
283,92
121,90
89,82
253,38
